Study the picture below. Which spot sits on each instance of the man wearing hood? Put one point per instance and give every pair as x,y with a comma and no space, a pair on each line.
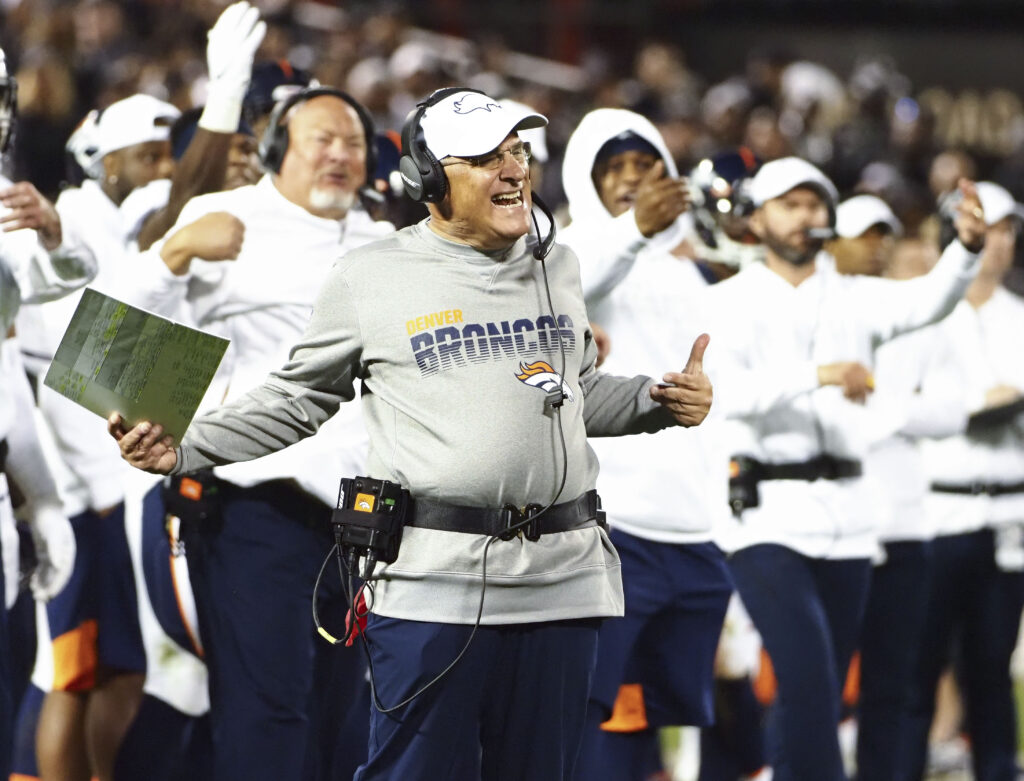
627,206
794,362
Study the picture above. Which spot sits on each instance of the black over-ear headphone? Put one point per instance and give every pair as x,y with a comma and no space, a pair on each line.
274,143
423,175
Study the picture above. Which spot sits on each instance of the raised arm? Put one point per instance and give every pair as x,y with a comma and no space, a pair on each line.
894,307
231,46
608,249
47,260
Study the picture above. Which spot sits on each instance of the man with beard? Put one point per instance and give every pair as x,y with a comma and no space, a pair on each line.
252,568
795,346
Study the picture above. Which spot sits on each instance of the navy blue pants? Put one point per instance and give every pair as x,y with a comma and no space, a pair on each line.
164,744
253,577
676,597
734,745
511,709
977,607
890,644
6,686
808,612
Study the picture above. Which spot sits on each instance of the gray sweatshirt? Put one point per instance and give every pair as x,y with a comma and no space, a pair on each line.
455,349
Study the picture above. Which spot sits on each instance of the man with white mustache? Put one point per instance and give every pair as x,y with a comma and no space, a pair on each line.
247,264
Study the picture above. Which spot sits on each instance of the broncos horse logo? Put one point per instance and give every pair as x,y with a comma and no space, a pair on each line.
473,102
540,374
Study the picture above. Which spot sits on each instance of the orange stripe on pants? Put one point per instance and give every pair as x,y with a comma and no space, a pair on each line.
75,658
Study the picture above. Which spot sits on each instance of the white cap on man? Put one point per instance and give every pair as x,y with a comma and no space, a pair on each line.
134,120
536,137
855,215
467,124
778,177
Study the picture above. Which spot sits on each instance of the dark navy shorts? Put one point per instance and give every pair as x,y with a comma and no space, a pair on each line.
94,621
658,660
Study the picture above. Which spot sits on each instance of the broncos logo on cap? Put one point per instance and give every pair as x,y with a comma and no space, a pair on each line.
473,102
540,374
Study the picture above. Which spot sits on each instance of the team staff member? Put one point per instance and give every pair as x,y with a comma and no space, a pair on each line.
976,504
91,696
253,570
901,411
40,259
627,204
448,327
799,339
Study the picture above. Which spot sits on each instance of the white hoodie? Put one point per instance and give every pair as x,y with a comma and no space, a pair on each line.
668,486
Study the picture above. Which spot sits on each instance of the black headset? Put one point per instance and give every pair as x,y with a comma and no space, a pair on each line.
274,144
424,177
422,173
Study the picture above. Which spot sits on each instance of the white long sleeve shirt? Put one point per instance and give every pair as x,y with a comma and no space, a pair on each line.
262,302
667,486
903,410
985,347
771,338
91,472
31,274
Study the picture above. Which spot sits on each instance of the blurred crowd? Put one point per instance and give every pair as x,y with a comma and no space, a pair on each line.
866,129
871,131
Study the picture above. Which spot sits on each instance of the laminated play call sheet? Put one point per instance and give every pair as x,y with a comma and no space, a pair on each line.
115,357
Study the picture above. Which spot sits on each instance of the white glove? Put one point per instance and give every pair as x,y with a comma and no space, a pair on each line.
55,551
83,143
231,46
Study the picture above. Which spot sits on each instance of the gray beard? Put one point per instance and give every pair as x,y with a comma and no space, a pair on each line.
331,199
791,254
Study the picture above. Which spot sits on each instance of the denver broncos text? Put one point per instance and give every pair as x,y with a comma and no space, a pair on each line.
446,348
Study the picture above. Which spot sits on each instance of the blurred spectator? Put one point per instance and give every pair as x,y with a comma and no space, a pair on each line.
416,70
369,82
725,108
46,103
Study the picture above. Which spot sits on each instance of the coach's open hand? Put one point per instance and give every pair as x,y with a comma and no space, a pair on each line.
144,447
689,398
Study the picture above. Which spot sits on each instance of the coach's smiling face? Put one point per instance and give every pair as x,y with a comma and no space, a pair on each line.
488,202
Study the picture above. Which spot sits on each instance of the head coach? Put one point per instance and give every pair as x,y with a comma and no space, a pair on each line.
470,335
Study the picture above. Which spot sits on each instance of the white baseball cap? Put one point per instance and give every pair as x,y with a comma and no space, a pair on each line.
780,176
996,202
467,124
134,120
855,215
536,137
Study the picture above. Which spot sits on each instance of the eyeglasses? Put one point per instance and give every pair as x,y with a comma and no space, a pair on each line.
495,161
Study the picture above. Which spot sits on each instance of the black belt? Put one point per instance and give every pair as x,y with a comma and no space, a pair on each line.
581,513
823,467
978,488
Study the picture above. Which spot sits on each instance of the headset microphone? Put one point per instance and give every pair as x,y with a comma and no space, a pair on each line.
822,234
543,248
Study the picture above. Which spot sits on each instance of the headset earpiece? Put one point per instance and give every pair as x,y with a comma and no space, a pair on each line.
422,173
274,144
